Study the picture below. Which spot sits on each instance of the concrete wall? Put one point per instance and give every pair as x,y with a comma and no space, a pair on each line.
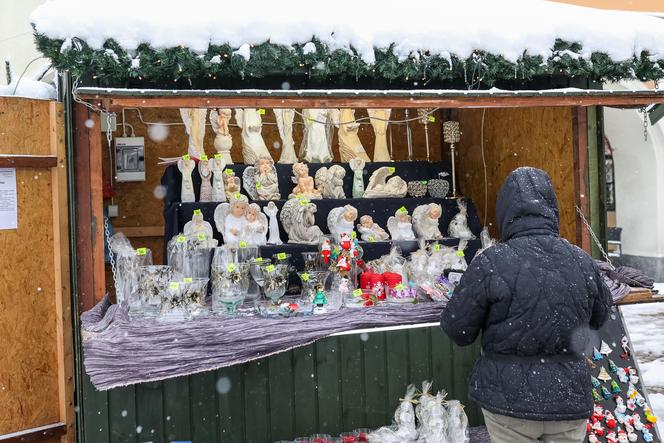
16,41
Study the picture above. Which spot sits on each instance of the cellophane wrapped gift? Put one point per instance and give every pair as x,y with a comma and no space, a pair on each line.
128,263
457,426
404,428
432,416
486,240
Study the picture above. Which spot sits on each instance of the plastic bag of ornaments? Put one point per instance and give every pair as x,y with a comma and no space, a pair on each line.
458,227
486,240
404,428
128,260
440,421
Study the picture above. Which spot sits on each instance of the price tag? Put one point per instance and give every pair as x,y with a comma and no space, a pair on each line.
202,237
304,202
230,267
181,239
309,121
204,158
431,118
197,212
424,182
141,251
229,171
403,210
281,256
269,268
372,239
357,293
187,280
460,254
400,287
174,285
237,196
258,185
392,169
217,156
186,157
436,247
242,244
261,111
258,259
305,276
353,235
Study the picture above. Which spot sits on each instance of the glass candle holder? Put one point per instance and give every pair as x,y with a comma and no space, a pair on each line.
229,287
152,285
223,255
194,295
197,262
312,261
275,281
173,306
128,266
247,253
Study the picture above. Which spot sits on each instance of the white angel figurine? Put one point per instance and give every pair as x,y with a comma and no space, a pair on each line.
378,187
217,165
194,123
271,211
285,119
198,225
223,141
379,120
254,231
400,226
370,231
260,181
458,227
229,219
232,184
425,221
331,181
357,166
298,217
304,183
316,140
350,146
253,145
341,221
205,172
186,166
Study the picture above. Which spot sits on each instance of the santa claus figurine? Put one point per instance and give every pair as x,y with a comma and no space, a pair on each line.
343,264
326,251
345,241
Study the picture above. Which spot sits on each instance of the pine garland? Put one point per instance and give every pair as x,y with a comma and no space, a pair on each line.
114,66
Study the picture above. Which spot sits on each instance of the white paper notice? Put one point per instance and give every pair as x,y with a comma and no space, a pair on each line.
8,201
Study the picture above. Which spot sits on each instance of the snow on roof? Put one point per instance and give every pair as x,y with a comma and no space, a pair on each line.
442,27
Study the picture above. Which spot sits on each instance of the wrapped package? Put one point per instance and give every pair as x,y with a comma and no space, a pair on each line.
404,429
457,423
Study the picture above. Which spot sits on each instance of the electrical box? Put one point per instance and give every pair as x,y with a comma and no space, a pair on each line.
129,159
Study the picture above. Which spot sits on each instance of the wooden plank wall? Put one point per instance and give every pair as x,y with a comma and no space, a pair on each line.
35,312
337,384
539,137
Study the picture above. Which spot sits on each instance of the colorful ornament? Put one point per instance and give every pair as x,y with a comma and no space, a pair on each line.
612,367
596,355
603,375
620,408
631,405
605,393
622,436
319,298
326,251
624,343
598,429
636,421
605,349
596,396
633,378
614,387
647,435
592,438
598,412
649,415
611,437
623,375
611,422
595,382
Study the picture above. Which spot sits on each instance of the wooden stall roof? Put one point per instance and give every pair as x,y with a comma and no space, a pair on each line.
114,98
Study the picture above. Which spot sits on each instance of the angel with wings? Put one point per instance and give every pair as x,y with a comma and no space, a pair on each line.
284,118
370,231
253,145
380,187
186,166
331,181
260,181
304,183
254,231
217,165
232,184
223,141
341,221
230,219
350,146
194,123
400,226
426,219
316,141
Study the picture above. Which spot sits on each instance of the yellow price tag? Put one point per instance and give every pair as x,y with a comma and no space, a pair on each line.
229,171
174,285
460,254
392,169
261,111
305,276
357,293
400,287
217,156
230,267
187,280
353,235
403,209
181,239
309,120
436,247
237,196
281,256
269,268
141,251
197,212
372,239
258,259
202,237
258,185
431,118
304,202
186,157
242,244
204,158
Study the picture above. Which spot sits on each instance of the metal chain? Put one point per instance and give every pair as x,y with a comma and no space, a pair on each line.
645,123
594,237
111,255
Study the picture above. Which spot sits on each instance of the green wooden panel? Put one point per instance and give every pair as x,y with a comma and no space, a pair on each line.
282,396
150,412
204,413
396,353
375,379
177,425
328,376
122,414
304,390
230,396
352,382
95,417
419,345
256,401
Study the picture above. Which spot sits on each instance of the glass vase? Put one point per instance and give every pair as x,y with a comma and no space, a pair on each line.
275,281
229,287
153,283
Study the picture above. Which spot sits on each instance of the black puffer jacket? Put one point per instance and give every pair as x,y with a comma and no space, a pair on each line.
534,297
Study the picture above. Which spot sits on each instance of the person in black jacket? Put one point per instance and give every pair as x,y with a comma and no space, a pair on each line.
534,297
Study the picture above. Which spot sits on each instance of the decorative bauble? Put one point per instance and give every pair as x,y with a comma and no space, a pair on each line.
438,188
417,188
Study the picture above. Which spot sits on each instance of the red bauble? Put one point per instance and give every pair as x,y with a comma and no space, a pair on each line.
611,423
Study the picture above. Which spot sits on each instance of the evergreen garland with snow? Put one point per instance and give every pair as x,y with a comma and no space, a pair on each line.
112,65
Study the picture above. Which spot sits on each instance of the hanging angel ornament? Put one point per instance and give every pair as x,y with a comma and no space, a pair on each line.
316,141
425,221
304,183
205,172
260,181
230,219
330,181
379,120
223,141
299,221
285,119
350,146
380,187
253,145
271,211
217,165
254,231
341,221
186,166
400,226
357,166
232,184
370,231
194,123
458,227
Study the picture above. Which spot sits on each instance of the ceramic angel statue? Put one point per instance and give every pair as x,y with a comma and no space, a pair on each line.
304,184
186,166
254,231
379,121
205,172
260,181
217,165
198,225
331,181
285,119
350,146
341,221
458,227
425,221
400,226
194,123
223,142
231,184
316,141
298,219
357,166
370,231
271,211
378,187
253,145
230,219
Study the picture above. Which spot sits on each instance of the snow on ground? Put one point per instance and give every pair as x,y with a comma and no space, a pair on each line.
645,324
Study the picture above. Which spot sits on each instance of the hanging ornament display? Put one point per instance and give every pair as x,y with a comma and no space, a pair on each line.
596,384
612,367
605,393
596,355
603,375
614,387
605,349
596,396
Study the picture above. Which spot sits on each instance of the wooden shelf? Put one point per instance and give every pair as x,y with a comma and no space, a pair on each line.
640,295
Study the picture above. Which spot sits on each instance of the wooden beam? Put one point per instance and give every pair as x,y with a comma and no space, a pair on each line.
28,161
140,231
640,295
35,434
580,133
